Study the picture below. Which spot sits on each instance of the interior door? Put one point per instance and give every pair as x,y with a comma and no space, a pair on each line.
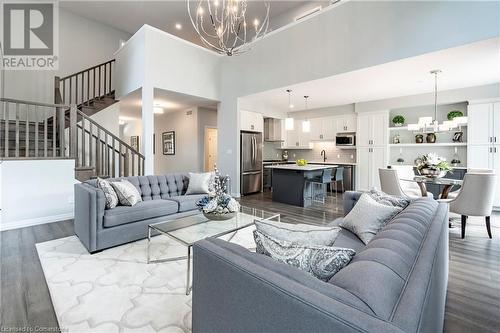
480,123
210,148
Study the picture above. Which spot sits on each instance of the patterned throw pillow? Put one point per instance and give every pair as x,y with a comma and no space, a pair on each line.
322,262
389,200
368,217
303,234
127,193
109,193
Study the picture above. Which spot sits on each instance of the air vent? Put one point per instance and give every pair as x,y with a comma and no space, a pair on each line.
308,13
189,112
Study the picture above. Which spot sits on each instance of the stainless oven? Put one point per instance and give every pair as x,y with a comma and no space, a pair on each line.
345,140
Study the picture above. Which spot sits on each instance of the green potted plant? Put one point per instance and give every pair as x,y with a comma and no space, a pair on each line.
398,120
453,114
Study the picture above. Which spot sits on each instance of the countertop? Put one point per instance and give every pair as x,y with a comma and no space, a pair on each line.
330,163
295,167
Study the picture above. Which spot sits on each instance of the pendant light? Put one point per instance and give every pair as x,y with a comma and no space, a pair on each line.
289,123
306,124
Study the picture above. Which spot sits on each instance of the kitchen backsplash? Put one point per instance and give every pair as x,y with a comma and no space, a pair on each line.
333,154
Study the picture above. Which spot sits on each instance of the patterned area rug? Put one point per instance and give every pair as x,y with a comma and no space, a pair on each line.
116,290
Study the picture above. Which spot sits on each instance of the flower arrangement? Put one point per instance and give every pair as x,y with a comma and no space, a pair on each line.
218,203
432,165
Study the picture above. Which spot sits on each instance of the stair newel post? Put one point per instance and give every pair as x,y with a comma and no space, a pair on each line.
57,95
113,158
120,159
88,88
83,88
106,154
110,88
127,161
91,145
62,126
84,147
73,145
98,156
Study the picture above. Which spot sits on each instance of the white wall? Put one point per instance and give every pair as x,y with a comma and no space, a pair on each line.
34,192
83,43
189,134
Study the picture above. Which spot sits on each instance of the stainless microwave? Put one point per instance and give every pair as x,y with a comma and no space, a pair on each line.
345,140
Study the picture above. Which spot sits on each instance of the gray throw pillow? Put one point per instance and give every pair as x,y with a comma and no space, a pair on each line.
389,200
322,262
303,234
109,193
199,183
368,217
128,195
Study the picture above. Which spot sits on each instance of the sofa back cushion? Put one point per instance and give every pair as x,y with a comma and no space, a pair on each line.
378,274
157,186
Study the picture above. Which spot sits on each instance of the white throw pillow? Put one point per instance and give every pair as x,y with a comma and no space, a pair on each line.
301,234
199,183
368,217
127,193
109,193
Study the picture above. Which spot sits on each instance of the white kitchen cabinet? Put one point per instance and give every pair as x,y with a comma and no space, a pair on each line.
322,129
480,156
480,124
372,129
251,121
369,160
296,139
345,124
496,167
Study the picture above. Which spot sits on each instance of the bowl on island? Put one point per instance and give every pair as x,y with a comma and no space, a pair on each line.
301,162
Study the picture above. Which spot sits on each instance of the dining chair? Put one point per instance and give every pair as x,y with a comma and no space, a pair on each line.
321,182
338,177
475,198
454,194
390,183
406,172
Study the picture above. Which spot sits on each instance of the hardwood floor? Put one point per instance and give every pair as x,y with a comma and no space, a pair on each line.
473,301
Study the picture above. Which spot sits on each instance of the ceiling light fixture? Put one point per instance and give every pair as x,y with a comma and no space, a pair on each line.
289,123
430,125
158,110
222,26
306,124
178,26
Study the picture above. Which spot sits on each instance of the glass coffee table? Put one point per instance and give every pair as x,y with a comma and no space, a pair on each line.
190,229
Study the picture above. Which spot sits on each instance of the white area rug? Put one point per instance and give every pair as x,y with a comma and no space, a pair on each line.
116,290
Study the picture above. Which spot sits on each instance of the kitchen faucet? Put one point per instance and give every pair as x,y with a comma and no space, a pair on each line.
323,153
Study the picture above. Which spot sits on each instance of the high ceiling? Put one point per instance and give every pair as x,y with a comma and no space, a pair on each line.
464,66
129,16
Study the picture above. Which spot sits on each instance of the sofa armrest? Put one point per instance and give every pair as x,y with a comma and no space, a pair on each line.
89,211
350,198
234,294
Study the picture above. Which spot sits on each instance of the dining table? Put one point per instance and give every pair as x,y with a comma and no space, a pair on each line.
446,183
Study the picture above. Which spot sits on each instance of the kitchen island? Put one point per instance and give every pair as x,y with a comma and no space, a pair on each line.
290,184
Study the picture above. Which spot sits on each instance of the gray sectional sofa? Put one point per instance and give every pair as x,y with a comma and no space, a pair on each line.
396,283
163,198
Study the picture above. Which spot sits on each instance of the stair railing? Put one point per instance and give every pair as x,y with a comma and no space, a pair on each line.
31,130
103,151
86,86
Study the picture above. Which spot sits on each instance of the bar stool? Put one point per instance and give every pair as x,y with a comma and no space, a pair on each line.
339,177
320,182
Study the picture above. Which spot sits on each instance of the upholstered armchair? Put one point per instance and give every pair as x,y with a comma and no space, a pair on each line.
475,198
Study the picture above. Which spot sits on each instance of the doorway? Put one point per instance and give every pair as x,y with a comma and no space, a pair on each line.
210,155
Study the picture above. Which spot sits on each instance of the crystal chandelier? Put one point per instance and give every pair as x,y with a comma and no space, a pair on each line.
222,25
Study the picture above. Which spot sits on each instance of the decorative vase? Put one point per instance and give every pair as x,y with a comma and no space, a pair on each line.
219,217
432,173
430,138
457,137
419,138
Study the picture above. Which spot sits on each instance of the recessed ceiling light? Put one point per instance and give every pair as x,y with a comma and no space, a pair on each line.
178,26
292,106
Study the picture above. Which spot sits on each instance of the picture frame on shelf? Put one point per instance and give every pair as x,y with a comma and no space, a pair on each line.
168,142
134,142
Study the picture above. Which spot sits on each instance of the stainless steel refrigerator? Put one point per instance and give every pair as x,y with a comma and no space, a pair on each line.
251,162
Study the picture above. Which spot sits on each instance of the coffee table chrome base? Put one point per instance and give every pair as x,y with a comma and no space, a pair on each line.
188,257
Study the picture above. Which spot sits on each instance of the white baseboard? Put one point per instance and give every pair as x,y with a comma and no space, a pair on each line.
31,222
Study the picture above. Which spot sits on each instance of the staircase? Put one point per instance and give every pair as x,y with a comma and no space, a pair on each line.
64,130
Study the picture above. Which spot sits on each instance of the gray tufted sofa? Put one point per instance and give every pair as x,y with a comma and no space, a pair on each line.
163,198
396,283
